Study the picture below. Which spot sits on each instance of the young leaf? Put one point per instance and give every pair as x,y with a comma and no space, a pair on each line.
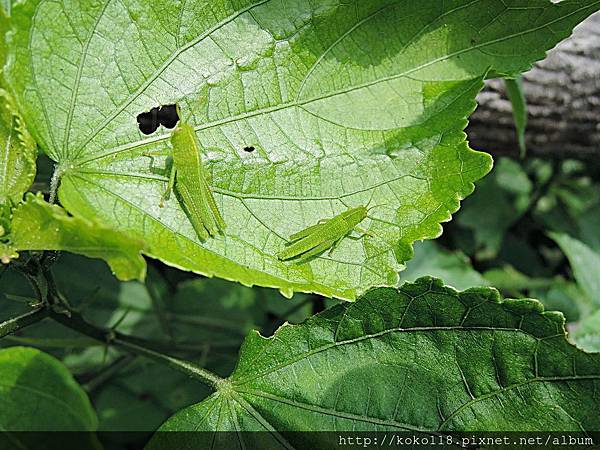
422,358
38,393
17,152
585,264
336,115
587,333
38,225
514,90
588,224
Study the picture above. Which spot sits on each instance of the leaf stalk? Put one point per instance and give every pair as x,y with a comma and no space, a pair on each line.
75,321
18,323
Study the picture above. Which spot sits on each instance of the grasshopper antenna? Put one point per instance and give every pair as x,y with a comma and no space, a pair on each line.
180,114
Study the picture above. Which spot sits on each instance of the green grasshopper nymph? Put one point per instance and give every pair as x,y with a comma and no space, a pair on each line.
190,180
326,234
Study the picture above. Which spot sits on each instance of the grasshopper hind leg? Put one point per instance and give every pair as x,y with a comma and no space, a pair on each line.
315,251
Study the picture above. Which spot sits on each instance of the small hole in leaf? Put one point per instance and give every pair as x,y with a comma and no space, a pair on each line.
249,149
148,121
167,116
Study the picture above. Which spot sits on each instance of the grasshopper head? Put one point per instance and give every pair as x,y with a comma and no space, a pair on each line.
356,215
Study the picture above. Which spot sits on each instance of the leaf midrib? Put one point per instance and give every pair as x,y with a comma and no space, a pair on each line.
294,103
240,400
135,206
457,328
242,196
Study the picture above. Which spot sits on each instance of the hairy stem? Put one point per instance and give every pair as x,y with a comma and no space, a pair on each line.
134,345
18,323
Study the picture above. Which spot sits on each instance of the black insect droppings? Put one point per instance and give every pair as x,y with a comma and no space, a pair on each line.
165,115
249,149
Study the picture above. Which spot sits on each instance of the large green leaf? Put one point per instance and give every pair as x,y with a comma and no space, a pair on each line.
345,102
37,393
422,358
38,225
17,152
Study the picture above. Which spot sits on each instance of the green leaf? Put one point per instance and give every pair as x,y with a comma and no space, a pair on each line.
38,225
121,410
433,260
37,393
585,264
344,102
587,333
565,297
17,152
556,294
589,223
423,357
92,290
142,396
514,90
509,279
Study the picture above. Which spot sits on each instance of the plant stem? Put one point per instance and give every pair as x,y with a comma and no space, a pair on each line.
58,308
134,345
18,323
54,183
